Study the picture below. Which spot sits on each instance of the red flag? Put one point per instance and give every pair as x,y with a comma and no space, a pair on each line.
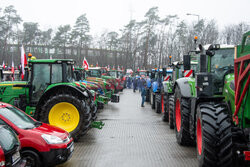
85,64
23,61
3,65
138,69
13,70
97,64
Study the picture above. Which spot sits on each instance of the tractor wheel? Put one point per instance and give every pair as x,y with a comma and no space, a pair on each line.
93,109
67,112
158,103
152,100
165,108
32,158
170,112
213,135
88,120
181,119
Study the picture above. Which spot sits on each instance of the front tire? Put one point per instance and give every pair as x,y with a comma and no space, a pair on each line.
152,100
213,135
32,158
170,112
165,108
181,119
158,103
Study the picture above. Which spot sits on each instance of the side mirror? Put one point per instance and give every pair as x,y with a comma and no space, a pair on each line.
186,62
164,73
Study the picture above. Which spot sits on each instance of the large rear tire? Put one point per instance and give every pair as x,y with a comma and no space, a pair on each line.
181,119
67,112
171,111
213,135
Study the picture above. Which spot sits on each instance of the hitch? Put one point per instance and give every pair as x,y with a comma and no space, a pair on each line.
97,124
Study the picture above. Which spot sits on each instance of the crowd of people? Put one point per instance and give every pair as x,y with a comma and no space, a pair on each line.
137,83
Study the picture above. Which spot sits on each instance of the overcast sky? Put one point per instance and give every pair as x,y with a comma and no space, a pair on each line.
112,15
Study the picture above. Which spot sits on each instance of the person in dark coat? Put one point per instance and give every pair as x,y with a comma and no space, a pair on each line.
129,82
143,91
135,84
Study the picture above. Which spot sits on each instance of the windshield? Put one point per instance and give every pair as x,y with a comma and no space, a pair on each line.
222,60
221,63
112,73
8,139
143,73
94,73
18,118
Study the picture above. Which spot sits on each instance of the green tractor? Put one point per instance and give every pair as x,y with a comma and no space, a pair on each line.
204,106
168,84
100,74
99,87
50,95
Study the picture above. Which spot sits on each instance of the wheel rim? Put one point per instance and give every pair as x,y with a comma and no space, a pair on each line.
30,161
162,104
199,136
178,115
64,115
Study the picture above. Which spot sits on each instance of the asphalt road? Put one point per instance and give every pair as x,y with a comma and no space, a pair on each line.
132,137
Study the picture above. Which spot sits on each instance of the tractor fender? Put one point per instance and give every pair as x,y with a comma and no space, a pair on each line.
80,91
183,84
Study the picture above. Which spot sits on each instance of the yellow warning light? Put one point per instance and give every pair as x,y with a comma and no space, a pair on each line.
195,37
170,57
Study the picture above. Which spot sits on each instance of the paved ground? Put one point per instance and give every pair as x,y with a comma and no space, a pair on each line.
132,137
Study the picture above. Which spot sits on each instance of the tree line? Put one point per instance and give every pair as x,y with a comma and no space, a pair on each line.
147,43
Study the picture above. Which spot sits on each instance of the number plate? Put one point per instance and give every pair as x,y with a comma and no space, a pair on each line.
15,157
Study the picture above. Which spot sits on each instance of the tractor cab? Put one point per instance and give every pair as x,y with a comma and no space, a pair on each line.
215,62
94,72
47,72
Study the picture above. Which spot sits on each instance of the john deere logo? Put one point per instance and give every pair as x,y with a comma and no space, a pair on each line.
2,89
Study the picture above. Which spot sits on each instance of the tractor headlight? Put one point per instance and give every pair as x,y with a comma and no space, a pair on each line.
51,139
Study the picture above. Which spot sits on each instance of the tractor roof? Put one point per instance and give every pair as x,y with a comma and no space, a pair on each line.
59,61
222,46
95,68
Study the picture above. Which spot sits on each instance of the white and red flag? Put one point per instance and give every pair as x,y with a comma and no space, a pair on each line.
138,69
3,65
13,70
85,64
23,61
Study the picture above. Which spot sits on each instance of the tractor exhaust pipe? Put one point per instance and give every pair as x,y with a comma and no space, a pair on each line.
203,59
